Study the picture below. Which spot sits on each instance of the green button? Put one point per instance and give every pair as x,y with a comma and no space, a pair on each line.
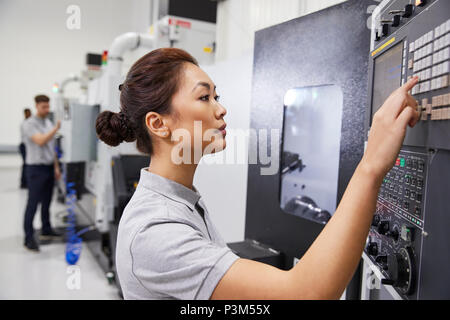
402,162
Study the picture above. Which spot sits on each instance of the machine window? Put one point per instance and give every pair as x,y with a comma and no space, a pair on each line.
310,152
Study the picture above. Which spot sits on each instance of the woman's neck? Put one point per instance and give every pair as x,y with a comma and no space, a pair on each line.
181,173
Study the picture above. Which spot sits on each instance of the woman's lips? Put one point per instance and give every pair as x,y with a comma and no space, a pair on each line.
222,130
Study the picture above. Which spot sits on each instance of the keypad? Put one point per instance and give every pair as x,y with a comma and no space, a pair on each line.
430,59
403,187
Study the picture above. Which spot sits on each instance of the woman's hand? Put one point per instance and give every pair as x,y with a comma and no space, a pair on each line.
388,130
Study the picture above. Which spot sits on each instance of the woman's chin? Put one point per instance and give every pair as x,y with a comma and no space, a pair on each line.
218,147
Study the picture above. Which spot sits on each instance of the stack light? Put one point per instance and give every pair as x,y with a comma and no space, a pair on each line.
105,58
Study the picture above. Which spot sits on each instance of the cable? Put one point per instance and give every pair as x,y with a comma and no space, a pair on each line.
74,241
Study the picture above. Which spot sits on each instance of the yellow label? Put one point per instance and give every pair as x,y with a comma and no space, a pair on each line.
207,49
383,46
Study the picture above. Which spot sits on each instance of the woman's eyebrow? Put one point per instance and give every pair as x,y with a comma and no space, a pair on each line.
204,84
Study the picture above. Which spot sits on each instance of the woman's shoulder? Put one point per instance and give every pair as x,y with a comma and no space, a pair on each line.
147,207
145,204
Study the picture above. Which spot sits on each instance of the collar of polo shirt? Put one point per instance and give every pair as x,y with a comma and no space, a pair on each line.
170,188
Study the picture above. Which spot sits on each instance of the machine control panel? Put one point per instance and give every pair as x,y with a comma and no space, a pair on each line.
397,225
402,191
412,38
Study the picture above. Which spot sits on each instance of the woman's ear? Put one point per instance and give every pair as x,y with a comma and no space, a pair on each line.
155,125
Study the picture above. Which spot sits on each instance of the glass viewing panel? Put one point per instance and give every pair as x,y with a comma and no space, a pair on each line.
311,149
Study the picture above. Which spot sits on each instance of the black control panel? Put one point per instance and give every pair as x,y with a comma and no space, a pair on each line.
394,241
408,239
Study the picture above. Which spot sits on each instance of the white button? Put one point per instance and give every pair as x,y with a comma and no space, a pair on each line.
439,69
427,86
442,42
428,73
437,32
416,44
429,61
430,36
443,28
429,49
422,75
416,55
446,67
447,26
446,54
441,55
438,83
434,72
433,84
435,58
411,47
447,40
436,45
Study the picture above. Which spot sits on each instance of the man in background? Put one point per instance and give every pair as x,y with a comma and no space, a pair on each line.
42,169
23,149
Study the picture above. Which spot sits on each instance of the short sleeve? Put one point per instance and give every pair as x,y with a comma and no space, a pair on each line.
173,259
29,128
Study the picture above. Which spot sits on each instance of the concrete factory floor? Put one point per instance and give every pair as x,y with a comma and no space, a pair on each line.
44,275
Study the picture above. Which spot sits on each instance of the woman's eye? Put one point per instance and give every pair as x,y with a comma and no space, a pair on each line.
204,98
217,98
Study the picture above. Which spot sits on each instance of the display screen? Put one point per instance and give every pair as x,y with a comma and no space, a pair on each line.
387,75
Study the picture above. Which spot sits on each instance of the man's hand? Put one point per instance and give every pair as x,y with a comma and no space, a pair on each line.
57,173
42,138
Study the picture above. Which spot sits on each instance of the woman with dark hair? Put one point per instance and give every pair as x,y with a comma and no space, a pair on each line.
167,246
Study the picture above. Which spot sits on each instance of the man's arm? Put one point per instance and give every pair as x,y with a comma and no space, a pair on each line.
42,138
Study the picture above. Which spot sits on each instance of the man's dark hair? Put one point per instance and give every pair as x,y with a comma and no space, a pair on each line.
41,98
27,110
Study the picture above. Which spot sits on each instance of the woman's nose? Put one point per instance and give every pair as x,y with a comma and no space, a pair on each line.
221,111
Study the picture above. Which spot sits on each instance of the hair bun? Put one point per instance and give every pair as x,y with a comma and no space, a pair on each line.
114,128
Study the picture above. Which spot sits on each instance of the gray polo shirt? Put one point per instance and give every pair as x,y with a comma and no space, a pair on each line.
165,249
35,153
